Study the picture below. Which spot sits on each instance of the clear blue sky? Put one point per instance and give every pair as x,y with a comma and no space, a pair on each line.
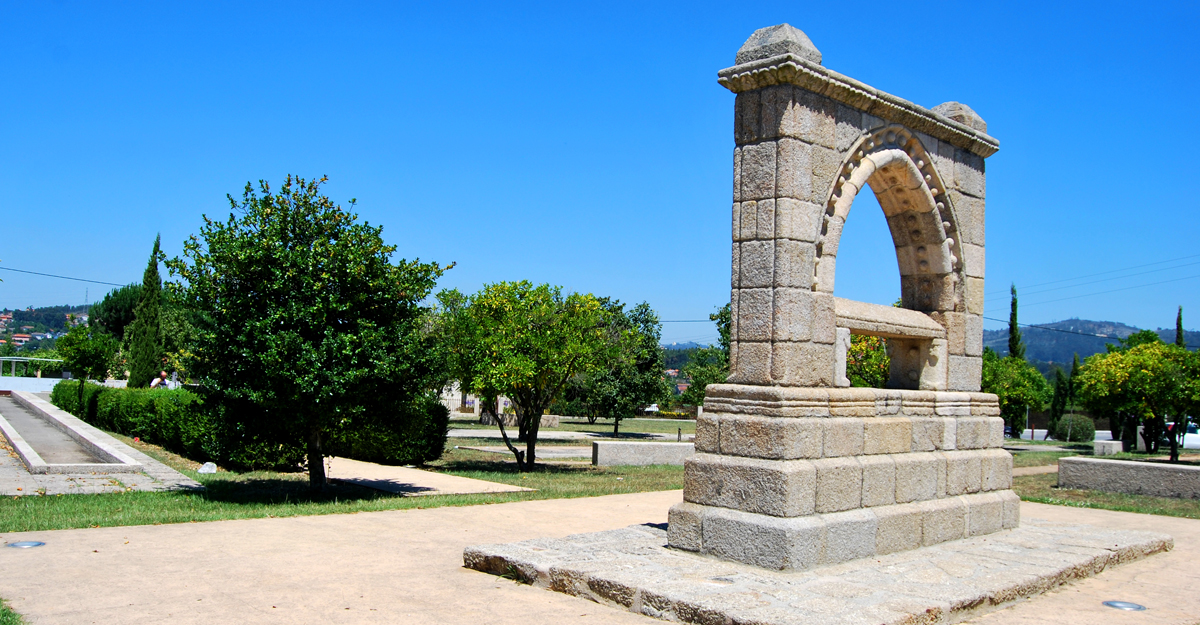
587,146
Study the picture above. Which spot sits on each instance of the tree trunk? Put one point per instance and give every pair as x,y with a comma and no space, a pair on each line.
535,423
616,427
316,461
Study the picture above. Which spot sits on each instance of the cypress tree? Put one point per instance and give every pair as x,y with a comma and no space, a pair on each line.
1016,347
1179,329
145,344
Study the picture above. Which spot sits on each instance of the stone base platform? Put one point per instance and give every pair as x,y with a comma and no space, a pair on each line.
946,583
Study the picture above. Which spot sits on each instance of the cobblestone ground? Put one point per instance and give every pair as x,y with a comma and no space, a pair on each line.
16,480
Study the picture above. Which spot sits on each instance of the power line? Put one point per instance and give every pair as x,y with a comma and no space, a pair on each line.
1031,325
1092,275
1137,286
1140,273
50,275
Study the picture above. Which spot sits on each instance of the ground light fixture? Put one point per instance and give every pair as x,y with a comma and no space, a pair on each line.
1125,605
25,544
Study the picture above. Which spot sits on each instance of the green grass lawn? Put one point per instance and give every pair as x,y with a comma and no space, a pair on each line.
1044,489
230,495
1039,458
8,617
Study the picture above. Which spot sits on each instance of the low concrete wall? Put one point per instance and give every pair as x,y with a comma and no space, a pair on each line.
609,453
1131,477
98,443
29,385
510,420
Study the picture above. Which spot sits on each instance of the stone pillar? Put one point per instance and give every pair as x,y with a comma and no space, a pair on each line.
792,469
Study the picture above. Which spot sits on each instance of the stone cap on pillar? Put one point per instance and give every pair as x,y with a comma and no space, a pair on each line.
776,40
783,54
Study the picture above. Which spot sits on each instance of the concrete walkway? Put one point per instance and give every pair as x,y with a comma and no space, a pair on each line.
406,567
409,481
51,443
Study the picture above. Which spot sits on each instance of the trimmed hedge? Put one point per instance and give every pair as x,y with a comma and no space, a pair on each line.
184,422
1081,428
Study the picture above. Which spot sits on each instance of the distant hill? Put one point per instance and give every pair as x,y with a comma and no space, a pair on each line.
1057,343
688,345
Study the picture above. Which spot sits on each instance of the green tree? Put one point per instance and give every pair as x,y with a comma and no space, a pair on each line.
302,315
526,342
116,311
87,352
1058,404
1016,346
1150,383
145,341
709,365
867,361
1019,386
1179,340
634,378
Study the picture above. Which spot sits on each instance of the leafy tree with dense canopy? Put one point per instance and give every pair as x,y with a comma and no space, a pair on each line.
867,361
87,352
634,379
1019,386
526,343
1148,383
146,336
115,312
302,314
709,365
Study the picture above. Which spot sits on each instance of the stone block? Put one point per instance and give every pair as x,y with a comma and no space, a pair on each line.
747,226
954,404
826,164
974,294
878,480
917,476
747,117
683,526
802,364
969,174
887,435
898,528
997,469
848,127
950,434
970,212
943,520
1107,448
707,437
995,432
852,402
841,352
839,484
765,220
771,487
754,313
737,225
974,262
974,335
793,170
640,453
751,362
782,438
918,403
964,472
797,220
737,175
1012,509
984,405
985,514
735,272
887,402
824,319
758,171
794,263
965,373
830,236
933,373
825,273
793,314
849,536
843,437
956,331
973,433
767,542
780,113
928,434
758,264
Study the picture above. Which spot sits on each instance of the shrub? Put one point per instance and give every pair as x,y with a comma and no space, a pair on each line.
419,438
1079,428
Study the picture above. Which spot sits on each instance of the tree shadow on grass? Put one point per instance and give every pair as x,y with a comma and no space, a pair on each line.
272,490
504,466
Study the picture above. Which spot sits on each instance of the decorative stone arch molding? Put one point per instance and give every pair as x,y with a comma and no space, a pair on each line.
808,141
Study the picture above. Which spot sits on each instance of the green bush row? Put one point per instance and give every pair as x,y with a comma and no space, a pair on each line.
185,422
1075,428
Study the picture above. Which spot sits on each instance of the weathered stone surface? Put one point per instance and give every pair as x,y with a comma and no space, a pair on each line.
782,39
1133,477
964,472
887,435
917,476
839,484
843,437
770,437
613,453
707,438
1107,448
878,481
632,568
776,488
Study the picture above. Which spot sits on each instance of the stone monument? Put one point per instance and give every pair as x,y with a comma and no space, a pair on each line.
905,489
793,469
